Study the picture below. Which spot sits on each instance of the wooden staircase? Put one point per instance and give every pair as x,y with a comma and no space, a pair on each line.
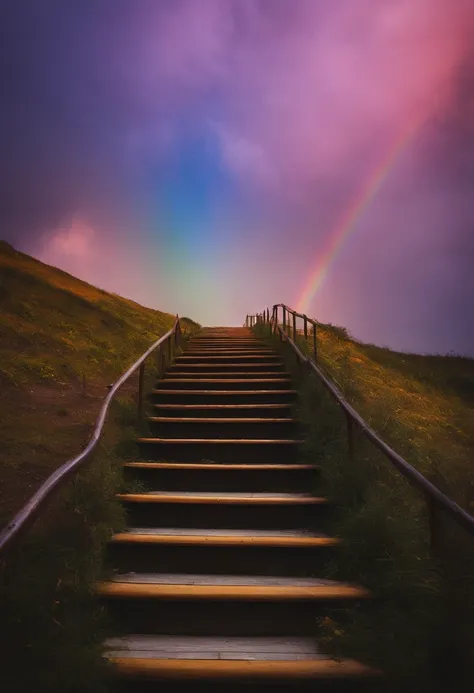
215,581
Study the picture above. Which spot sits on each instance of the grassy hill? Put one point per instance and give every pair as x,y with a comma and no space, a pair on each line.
62,341
422,405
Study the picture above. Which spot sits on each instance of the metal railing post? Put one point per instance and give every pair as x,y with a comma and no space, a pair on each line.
294,327
315,353
284,318
305,328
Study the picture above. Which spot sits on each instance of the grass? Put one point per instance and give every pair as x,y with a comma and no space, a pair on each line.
62,341
54,625
417,629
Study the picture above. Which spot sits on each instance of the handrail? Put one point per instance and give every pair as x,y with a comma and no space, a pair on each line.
38,500
435,499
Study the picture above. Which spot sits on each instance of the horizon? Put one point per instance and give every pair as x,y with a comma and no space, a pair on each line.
211,159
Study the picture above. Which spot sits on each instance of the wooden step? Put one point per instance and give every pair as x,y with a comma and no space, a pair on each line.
270,552
214,605
234,587
204,467
225,537
229,498
201,383
244,671
228,660
164,395
215,367
218,428
223,410
218,420
182,373
235,510
256,649
196,477
228,357
221,351
226,450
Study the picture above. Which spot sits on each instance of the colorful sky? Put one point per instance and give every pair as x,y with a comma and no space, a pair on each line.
212,157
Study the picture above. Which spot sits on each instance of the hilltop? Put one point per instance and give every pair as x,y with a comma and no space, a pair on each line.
62,341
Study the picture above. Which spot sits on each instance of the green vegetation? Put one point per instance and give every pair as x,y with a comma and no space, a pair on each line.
62,341
418,627
53,624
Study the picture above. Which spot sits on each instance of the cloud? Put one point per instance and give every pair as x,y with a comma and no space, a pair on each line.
76,241
304,97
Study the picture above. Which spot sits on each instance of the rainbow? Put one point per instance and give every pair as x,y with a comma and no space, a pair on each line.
352,215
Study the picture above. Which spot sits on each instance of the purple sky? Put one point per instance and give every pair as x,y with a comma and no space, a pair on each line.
197,155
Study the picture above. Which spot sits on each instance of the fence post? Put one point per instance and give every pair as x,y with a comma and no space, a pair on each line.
268,315
284,318
177,342
163,363
294,327
315,353
305,329
158,361
141,379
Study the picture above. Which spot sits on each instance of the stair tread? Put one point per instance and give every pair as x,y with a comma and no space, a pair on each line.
226,467
209,419
223,441
225,375
230,580
181,359
247,534
165,588
225,498
224,392
205,647
221,406
228,670
224,537
231,380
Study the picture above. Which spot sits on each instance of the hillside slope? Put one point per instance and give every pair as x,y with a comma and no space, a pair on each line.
422,405
62,341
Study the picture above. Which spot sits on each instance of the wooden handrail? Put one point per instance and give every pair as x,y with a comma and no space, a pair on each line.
24,518
435,499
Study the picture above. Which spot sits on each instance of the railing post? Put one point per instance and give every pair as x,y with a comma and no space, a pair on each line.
178,334
315,353
294,327
284,319
158,361
305,329
141,380
268,315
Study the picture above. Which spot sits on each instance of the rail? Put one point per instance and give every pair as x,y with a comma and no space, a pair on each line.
436,501
164,348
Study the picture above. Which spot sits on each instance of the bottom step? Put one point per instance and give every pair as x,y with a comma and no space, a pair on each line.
228,659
